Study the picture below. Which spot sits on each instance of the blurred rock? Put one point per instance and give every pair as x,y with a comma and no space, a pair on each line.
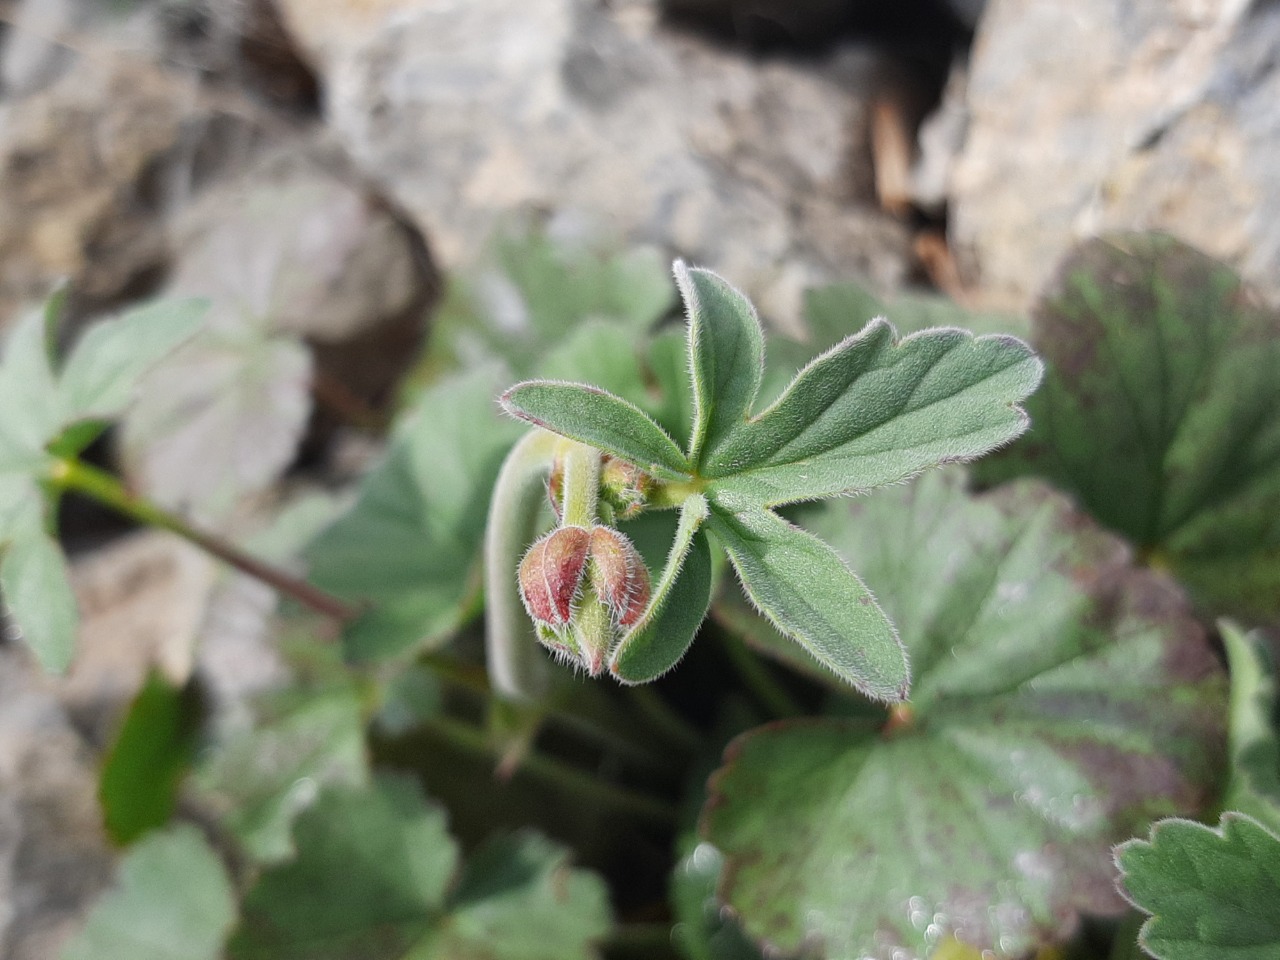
463,112
54,856
1119,114
89,165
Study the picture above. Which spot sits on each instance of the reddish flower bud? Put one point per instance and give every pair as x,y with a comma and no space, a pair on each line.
618,575
624,486
551,575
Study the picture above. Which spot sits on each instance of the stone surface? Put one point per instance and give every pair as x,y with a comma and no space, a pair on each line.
463,112
54,856
1116,114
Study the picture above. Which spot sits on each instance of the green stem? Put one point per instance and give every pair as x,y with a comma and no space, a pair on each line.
762,684
581,491
555,773
664,719
70,474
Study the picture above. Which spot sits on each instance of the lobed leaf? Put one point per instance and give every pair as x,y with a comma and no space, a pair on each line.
1211,893
1255,727
172,901
373,867
101,376
726,356
876,410
259,780
598,418
411,543
1062,699
1161,412
808,592
376,878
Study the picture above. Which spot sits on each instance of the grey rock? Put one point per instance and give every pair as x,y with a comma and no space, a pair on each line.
464,112
54,856
1118,114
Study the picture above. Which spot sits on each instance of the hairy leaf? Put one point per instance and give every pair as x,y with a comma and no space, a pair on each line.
1212,894
1161,412
808,592
678,606
875,410
726,356
172,901
593,416
1062,700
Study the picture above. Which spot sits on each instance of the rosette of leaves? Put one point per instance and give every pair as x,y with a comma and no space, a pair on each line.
874,409
1063,698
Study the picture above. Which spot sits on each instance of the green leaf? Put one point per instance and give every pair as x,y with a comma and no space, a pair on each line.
703,930
373,867
37,591
1062,700
220,420
1255,727
518,899
260,779
140,777
808,592
598,418
29,403
172,901
1161,412
678,606
101,376
532,291
375,878
726,356
410,544
1212,894
876,410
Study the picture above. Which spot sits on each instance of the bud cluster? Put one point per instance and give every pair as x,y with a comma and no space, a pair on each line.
583,587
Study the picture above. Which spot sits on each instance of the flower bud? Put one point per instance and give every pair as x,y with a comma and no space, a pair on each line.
618,575
624,486
551,575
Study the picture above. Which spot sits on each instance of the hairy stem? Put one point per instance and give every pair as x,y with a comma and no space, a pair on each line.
518,668
70,474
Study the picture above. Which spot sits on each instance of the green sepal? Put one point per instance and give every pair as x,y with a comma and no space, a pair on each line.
602,420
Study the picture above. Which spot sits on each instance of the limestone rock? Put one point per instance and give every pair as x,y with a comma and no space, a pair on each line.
1116,114
463,112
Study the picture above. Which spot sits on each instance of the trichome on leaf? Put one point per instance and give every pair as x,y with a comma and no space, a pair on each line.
872,410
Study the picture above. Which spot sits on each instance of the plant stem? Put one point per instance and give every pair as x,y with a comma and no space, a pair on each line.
75,475
664,719
762,684
555,773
